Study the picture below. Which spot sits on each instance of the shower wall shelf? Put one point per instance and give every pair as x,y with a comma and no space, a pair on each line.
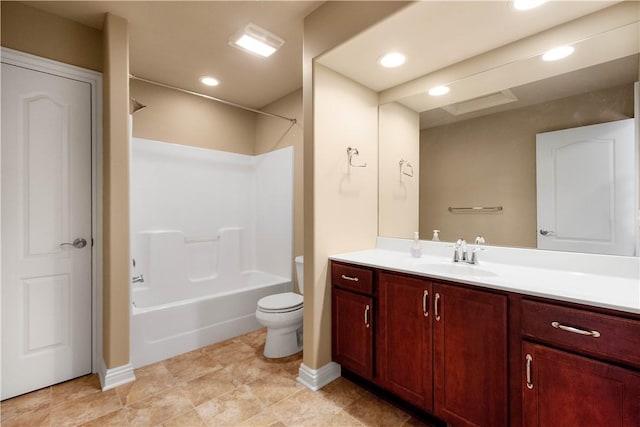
475,209
351,152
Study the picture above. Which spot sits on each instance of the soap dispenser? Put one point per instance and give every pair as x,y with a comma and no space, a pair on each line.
436,237
416,249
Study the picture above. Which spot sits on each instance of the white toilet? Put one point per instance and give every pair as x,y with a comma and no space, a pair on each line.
282,315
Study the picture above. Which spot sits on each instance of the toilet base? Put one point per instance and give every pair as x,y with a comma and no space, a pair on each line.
283,342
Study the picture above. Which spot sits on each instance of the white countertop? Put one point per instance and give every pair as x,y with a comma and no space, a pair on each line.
615,291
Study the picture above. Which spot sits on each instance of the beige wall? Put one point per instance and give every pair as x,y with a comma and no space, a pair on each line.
273,134
33,31
491,161
346,198
116,160
180,118
329,25
399,138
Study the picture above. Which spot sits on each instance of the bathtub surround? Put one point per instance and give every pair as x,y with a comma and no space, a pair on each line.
211,235
198,192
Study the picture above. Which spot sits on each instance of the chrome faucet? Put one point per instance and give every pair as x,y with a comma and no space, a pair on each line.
461,254
137,279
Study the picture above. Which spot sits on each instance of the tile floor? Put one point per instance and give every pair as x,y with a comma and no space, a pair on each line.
225,384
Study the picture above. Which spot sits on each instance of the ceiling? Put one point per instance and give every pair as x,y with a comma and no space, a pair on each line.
176,42
437,34
488,54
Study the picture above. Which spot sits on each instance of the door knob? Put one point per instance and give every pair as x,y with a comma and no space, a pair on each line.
547,232
79,243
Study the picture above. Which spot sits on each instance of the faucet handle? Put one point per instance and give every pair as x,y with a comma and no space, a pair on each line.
474,256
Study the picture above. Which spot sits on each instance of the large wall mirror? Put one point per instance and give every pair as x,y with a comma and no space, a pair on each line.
522,151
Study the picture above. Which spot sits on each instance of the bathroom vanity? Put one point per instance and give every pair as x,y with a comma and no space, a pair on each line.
480,345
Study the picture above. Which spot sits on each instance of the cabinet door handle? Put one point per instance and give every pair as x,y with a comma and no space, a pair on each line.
366,315
575,330
425,303
436,304
353,279
529,359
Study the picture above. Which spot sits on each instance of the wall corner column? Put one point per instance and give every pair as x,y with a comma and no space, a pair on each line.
116,159
345,20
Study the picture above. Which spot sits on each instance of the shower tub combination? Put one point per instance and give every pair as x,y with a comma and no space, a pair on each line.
212,233
194,293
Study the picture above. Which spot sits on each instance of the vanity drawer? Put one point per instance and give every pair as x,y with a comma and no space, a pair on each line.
600,335
352,278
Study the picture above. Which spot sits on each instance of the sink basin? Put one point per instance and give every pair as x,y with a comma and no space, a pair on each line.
458,269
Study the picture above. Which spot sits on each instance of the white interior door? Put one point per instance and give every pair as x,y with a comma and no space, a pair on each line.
46,203
585,188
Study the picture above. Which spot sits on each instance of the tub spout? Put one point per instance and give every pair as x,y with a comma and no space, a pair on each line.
137,279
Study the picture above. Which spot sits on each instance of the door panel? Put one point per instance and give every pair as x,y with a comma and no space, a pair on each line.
563,389
470,356
46,201
405,345
352,331
585,190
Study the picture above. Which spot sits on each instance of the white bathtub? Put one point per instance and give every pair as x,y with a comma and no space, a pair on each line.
225,311
194,293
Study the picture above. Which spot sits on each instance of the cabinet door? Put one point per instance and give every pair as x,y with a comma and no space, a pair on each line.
404,340
470,356
563,389
352,332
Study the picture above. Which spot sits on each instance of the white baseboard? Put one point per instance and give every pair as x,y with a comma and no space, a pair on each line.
114,377
315,379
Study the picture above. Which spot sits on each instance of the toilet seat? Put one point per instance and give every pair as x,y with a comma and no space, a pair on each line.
280,303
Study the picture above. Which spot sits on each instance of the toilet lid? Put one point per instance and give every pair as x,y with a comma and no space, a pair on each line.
287,301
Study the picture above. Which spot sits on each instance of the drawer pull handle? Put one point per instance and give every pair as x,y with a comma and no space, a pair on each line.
366,315
353,279
578,331
425,303
529,360
436,304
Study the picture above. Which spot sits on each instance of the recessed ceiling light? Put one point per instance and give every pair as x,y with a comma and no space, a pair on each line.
527,4
392,60
256,40
558,53
209,81
439,90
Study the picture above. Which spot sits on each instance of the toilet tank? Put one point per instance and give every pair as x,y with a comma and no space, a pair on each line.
300,272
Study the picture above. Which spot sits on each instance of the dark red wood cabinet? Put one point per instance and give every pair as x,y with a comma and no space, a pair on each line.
352,319
570,367
439,347
564,389
477,357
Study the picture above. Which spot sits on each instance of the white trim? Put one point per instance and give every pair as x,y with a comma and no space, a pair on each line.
94,79
315,379
114,377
